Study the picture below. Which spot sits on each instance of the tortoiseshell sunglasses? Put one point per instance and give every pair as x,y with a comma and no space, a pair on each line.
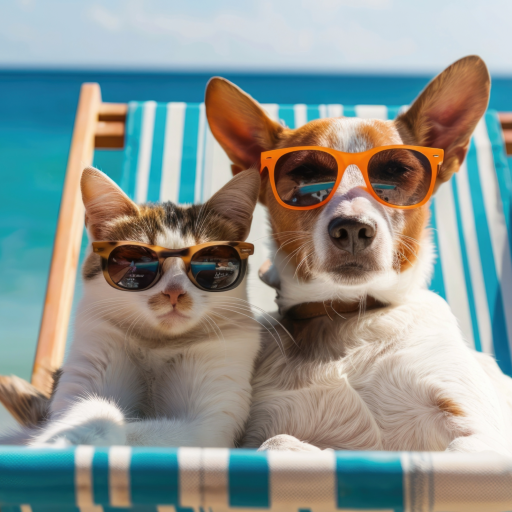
212,267
306,177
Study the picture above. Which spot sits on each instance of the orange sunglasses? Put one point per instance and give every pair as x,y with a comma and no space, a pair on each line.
306,177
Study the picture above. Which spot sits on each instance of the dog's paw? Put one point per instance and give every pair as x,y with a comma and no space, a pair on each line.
476,444
284,442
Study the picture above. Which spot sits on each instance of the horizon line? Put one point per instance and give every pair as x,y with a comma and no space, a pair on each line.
195,70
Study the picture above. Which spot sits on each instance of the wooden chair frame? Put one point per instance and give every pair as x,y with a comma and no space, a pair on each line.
98,125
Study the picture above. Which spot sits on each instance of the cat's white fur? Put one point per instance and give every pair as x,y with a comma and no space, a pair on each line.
191,390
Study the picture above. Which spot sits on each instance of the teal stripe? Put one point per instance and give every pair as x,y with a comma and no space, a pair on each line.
52,508
369,481
287,114
132,144
157,153
154,476
492,285
44,476
248,479
100,476
465,265
349,111
312,112
437,284
189,155
138,508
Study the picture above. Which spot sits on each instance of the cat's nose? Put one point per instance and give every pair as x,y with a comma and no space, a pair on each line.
175,293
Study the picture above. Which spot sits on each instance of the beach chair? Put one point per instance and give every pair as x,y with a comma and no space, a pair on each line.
170,154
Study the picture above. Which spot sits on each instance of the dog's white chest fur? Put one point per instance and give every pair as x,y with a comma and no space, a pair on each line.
400,378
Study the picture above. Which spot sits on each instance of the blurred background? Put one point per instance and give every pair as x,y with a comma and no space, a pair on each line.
282,51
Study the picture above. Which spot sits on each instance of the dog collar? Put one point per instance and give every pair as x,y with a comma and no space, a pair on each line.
308,310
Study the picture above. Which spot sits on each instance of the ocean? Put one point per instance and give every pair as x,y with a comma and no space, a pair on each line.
37,111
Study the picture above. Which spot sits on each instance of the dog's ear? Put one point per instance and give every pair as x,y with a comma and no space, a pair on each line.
239,124
445,114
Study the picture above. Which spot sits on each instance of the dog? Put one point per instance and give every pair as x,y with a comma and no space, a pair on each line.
373,360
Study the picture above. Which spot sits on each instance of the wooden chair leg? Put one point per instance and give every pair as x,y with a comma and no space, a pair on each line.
66,250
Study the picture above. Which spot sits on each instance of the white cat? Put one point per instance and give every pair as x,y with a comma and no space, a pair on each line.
166,366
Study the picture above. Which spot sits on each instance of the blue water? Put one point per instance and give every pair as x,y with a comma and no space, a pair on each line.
36,119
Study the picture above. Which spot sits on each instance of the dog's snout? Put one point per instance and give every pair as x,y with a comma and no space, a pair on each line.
351,235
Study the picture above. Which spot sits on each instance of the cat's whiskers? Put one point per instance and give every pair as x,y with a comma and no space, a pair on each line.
304,260
279,343
217,329
276,235
263,312
289,258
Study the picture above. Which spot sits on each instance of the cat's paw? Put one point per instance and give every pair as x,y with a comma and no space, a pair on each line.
93,421
284,442
94,432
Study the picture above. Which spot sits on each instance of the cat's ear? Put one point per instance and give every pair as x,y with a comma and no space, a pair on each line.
236,201
239,124
445,114
103,201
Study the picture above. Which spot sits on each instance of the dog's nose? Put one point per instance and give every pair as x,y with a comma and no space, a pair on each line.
351,235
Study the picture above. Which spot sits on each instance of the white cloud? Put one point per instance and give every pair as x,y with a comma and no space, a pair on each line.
105,18
333,35
330,6
359,44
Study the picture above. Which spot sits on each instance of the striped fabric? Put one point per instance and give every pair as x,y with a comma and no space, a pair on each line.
88,479
171,155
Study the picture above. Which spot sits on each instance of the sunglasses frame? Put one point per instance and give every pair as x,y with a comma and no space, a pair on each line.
105,248
343,160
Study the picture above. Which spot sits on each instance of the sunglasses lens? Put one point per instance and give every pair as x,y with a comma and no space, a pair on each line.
133,267
216,267
305,178
400,177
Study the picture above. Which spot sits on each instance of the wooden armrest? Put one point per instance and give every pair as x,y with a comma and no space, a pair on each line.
110,128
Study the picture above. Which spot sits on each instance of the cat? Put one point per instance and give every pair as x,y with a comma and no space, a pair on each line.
167,366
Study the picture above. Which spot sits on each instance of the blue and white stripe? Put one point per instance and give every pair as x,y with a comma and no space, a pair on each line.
174,480
171,155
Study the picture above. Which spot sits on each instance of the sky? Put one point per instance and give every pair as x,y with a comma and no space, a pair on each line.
406,36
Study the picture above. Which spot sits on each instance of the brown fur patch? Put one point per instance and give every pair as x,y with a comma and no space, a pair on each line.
185,302
158,301
410,239
26,403
448,406
91,266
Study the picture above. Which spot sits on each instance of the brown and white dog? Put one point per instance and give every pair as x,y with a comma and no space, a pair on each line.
387,367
